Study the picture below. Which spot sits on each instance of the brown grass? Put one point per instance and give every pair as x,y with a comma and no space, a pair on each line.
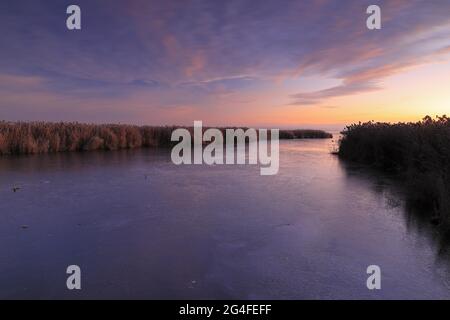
45,137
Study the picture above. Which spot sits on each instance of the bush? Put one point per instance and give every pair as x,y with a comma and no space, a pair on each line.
94,143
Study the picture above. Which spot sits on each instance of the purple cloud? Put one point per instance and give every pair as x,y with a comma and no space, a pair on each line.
186,52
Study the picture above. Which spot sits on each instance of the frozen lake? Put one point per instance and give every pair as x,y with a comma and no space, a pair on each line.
141,227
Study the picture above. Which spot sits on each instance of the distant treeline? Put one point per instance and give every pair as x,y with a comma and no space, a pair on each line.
44,137
304,134
419,153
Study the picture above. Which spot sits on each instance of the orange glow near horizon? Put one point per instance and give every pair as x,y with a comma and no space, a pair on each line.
408,96
303,64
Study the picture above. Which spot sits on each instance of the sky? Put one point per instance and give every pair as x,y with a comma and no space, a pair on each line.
271,63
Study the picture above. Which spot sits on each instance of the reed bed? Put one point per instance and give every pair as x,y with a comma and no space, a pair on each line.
418,153
46,137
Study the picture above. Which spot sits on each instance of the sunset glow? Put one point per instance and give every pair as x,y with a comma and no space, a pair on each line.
291,63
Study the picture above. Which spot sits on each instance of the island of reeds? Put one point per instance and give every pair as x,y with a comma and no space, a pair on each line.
305,134
418,153
46,137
